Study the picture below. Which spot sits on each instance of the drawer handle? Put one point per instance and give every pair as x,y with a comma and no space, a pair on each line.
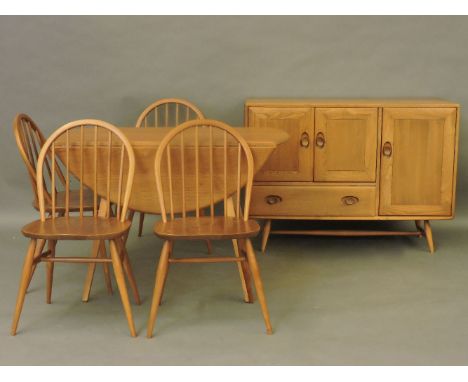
320,140
387,149
304,142
273,199
349,200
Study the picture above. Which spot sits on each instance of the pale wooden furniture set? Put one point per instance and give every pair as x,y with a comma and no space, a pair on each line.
115,172
334,160
357,160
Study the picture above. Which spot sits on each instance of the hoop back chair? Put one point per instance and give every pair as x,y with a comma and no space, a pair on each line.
198,163
96,151
30,139
166,112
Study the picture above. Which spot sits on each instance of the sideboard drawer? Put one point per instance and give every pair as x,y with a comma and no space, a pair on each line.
309,201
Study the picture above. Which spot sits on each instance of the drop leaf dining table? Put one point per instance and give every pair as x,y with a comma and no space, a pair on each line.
145,143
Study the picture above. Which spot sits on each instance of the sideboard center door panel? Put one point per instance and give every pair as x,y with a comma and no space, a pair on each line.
418,153
345,144
292,160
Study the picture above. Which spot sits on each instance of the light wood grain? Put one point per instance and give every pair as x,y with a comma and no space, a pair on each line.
145,143
62,224
347,150
212,178
168,112
417,170
206,228
350,102
311,200
30,139
172,111
293,160
402,153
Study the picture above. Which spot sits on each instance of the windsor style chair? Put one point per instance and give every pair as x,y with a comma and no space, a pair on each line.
30,139
102,147
167,112
187,178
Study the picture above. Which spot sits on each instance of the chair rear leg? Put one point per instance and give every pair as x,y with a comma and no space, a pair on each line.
25,275
105,267
90,274
158,287
171,249
40,244
140,225
209,246
50,272
120,278
130,216
258,284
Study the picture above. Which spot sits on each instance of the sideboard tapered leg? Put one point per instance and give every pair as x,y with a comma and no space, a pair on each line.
429,238
266,234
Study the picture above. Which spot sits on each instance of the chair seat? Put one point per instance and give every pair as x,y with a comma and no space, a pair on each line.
209,228
74,201
76,228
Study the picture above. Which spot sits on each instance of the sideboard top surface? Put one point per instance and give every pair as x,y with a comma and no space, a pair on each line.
351,102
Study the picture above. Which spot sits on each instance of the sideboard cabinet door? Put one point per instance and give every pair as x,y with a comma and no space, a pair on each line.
417,162
292,160
345,144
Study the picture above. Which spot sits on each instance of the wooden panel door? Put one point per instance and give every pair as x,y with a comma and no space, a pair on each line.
292,160
345,144
418,153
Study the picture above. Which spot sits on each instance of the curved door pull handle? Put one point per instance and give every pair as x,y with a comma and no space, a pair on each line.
273,199
387,149
349,200
320,140
304,142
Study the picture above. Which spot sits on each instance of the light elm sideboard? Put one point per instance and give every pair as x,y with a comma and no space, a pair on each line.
346,159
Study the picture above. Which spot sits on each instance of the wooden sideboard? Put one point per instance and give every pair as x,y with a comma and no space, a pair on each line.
346,159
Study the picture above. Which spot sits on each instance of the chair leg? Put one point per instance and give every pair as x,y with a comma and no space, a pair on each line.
266,234
140,225
258,284
209,247
429,238
39,248
50,272
27,269
158,287
90,275
243,271
171,249
244,274
129,271
130,216
105,267
120,278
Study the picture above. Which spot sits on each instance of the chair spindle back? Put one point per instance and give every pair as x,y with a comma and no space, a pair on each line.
99,155
168,112
199,163
30,139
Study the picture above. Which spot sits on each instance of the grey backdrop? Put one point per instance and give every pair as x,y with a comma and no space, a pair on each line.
332,300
